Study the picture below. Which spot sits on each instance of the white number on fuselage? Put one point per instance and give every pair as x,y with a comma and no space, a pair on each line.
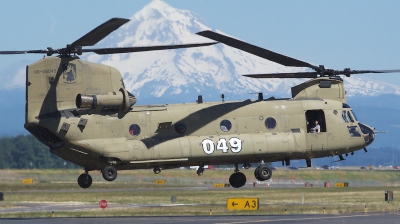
235,145
221,145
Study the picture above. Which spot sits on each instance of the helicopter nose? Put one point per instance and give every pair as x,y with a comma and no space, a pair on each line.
368,132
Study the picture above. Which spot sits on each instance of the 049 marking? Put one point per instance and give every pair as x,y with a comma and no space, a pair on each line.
209,147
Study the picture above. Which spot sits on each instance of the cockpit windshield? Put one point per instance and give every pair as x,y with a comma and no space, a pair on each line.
350,117
345,105
344,116
354,115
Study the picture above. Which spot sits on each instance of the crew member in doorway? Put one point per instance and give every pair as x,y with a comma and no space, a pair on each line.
316,128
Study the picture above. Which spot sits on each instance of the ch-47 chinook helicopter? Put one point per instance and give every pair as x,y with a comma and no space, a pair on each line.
84,114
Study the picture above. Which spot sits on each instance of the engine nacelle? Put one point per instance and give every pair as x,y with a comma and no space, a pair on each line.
114,101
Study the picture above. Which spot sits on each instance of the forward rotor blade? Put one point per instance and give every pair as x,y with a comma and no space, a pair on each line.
13,52
373,71
285,75
98,33
119,50
258,51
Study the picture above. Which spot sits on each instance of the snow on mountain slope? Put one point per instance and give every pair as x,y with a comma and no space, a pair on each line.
210,71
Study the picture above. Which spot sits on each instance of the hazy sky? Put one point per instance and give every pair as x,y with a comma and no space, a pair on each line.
359,34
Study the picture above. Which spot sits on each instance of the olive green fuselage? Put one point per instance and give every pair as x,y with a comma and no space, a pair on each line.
168,136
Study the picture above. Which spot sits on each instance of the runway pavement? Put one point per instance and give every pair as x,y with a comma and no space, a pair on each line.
368,218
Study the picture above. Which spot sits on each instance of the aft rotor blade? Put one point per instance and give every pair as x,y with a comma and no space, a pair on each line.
98,33
255,50
24,52
285,75
118,50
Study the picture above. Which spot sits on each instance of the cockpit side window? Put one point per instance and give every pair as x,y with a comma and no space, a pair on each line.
350,117
344,116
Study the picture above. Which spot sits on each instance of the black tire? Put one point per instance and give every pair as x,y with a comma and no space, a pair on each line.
157,170
256,173
264,173
85,181
237,180
200,171
109,173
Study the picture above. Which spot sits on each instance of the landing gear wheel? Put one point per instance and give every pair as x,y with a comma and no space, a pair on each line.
200,171
237,180
84,180
109,173
157,170
262,173
256,173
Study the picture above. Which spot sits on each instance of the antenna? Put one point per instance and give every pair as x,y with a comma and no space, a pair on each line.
260,97
199,99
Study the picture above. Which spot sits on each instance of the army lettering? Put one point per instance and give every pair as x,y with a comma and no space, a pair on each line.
209,147
45,71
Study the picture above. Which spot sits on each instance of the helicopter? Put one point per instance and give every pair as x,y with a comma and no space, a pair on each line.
84,114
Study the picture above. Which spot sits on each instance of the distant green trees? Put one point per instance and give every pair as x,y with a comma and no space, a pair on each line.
26,152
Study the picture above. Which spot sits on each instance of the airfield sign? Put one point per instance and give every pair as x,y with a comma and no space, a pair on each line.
242,203
27,181
160,181
103,204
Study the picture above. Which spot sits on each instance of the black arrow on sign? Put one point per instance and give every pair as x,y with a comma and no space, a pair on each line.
233,204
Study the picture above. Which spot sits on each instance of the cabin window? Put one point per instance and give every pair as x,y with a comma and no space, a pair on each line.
314,118
344,116
134,130
353,130
225,125
180,127
350,117
270,123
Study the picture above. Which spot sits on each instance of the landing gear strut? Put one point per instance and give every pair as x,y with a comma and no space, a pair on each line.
109,173
237,179
85,180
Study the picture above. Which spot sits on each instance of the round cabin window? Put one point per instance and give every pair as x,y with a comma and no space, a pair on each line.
225,125
270,123
180,127
134,130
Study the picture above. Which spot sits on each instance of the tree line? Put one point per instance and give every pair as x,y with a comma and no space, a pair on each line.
26,152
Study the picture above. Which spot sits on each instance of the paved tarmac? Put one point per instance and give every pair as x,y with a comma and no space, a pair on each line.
367,218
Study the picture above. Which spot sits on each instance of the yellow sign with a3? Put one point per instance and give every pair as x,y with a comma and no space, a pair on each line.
160,181
242,203
27,181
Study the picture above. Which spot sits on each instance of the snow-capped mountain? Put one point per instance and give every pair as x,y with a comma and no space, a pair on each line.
209,71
